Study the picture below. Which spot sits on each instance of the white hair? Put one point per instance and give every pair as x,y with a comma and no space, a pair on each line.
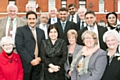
113,33
6,39
53,8
30,5
12,5
85,10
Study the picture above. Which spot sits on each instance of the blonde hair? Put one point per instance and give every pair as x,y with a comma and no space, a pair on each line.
72,32
93,34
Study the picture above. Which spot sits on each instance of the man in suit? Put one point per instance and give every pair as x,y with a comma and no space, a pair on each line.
81,13
90,19
43,24
27,40
30,7
73,13
64,25
10,23
53,16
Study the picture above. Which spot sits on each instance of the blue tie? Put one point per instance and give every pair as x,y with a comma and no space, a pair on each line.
63,26
54,20
91,28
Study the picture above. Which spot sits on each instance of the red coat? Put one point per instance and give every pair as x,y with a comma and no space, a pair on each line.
10,67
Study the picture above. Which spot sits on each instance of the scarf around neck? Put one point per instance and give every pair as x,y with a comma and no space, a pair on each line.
53,50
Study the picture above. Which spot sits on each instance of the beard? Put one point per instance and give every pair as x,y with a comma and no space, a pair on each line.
91,25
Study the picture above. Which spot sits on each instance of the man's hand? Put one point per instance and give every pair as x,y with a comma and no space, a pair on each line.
35,62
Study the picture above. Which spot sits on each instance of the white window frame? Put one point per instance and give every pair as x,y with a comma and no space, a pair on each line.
119,6
63,3
101,6
51,4
82,3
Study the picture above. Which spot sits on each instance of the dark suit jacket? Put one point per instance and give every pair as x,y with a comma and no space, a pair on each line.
78,19
25,45
101,31
112,71
63,35
78,25
49,21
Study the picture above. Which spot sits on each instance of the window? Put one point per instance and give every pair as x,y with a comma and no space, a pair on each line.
11,1
118,5
101,5
51,4
82,3
63,2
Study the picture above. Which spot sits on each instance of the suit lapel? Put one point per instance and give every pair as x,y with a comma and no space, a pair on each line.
29,31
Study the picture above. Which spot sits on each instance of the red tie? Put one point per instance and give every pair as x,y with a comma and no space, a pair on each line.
10,28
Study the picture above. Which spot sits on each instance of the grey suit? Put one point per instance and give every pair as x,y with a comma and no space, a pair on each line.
3,22
96,67
67,64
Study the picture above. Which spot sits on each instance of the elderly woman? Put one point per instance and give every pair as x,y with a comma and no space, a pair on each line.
10,63
54,55
112,21
73,49
90,62
112,39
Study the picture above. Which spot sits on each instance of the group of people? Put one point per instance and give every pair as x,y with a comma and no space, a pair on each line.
69,47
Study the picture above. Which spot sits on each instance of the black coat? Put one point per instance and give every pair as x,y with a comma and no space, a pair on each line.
112,71
55,54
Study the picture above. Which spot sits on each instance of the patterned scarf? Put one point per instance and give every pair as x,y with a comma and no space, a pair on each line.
53,50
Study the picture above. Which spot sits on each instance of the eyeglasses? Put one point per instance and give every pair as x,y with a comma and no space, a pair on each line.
8,45
90,38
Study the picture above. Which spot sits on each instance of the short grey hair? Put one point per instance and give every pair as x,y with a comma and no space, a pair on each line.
12,5
113,33
5,40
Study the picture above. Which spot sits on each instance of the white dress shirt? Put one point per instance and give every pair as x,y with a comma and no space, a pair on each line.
45,29
74,18
14,27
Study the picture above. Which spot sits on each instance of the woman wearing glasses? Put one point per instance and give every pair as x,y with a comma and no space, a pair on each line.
90,62
10,63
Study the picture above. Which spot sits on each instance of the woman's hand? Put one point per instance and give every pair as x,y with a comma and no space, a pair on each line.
69,73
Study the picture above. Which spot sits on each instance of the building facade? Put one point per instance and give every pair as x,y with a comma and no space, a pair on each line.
101,7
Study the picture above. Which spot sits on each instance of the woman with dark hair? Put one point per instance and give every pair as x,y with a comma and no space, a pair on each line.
112,21
54,55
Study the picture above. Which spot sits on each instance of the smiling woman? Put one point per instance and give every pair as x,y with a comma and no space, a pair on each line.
90,61
112,39
10,62
53,54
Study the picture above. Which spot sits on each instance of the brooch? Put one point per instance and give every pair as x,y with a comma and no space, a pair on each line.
118,58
